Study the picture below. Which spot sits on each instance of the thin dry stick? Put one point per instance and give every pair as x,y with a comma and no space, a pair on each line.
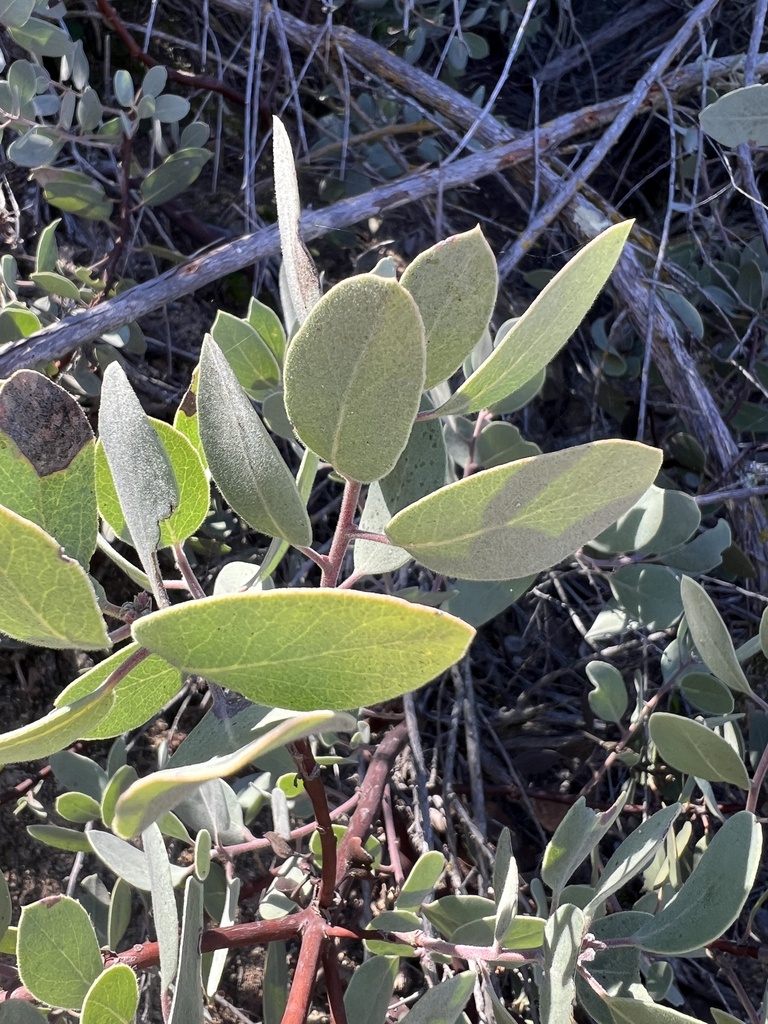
563,196
744,152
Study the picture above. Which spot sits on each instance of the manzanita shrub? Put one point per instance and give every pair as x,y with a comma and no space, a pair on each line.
355,381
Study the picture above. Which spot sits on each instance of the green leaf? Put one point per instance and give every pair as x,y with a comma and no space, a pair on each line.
33,149
243,459
609,698
539,334
56,284
78,808
499,443
721,1017
308,649
300,273
148,798
120,912
649,594
633,855
6,908
712,898
141,469
452,912
704,553
454,284
187,1007
522,933
523,517
250,357
419,471
43,39
46,598
47,253
617,968
46,461
711,636
127,862
477,602
707,693
15,13
562,945
17,1012
575,838
505,886
174,174
154,81
421,881
55,730
73,191
637,1011
694,749
163,904
185,419
79,773
443,1003
267,324
113,998
739,117
354,374
193,490
149,686
370,989
67,839
58,951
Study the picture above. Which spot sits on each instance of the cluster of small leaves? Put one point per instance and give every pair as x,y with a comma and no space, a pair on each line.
377,379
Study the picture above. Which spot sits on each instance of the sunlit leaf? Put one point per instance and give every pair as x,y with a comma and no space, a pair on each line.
242,457
609,698
562,944
354,374
59,956
694,749
444,1003
638,1011
540,333
187,1006
370,988
308,649
575,838
454,284
712,898
523,517
711,636
421,881
113,998
253,362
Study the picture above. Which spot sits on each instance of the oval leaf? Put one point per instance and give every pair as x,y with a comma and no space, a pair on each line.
739,117
609,698
242,457
247,353
354,374
443,1003
711,636
113,998
370,989
308,649
59,955
173,175
637,1011
523,517
712,897
540,333
45,597
694,749
454,284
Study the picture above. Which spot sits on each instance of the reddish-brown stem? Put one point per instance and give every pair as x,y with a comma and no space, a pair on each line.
333,986
343,534
371,791
313,942
191,581
182,77
309,770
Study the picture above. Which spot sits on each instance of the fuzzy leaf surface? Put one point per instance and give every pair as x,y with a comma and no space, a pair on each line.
46,461
113,998
138,696
540,333
141,469
354,374
242,457
562,943
711,636
523,517
307,649
59,956
148,798
454,284
712,897
46,598
692,748
575,837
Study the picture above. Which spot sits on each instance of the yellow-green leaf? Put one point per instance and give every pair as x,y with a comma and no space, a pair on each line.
138,696
45,597
354,374
46,461
56,730
113,998
694,749
539,334
307,649
454,284
525,516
